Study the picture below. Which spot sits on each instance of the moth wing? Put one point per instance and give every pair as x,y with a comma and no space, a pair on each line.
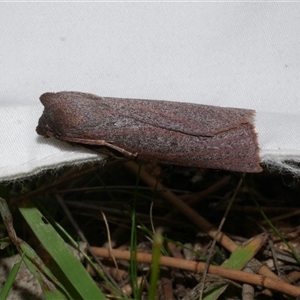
188,118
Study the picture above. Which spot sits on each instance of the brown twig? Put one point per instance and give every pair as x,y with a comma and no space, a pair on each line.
264,281
197,219
202,223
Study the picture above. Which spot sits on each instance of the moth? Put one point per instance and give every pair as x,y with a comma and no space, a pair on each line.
154,130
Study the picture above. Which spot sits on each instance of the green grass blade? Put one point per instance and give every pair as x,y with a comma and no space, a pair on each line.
5,242
295,254
237,260
10,280
243,254
51,287
68,270
155,266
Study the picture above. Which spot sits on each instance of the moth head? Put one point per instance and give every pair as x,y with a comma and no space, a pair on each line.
61,116
46,125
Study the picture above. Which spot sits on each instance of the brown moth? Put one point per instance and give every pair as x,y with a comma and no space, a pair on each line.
164,131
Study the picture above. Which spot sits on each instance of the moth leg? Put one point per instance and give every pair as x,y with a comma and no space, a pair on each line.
126,153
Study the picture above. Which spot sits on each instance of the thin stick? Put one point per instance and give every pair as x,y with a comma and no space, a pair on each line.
197,219
215,239
264,281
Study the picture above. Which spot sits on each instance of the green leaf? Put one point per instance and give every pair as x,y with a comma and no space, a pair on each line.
68,269
238,259
10,280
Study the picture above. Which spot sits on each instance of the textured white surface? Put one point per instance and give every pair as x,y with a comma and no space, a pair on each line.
227,54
